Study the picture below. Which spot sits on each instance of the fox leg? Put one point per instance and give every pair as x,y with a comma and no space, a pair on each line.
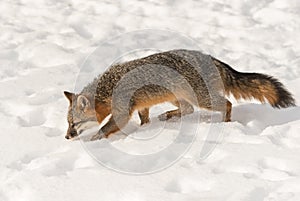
225,107
114,124
184,108
144,115
228,111
218,103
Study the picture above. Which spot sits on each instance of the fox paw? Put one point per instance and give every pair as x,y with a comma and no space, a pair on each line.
98,136
145,121
167,117
163,117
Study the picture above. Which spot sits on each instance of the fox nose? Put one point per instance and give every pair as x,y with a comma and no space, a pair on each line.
67,137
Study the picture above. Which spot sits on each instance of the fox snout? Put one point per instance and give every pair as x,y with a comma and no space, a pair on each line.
71,133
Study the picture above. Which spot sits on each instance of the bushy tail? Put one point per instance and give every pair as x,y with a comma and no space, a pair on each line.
254,85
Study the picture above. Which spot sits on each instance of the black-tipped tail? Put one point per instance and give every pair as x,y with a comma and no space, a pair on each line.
254,85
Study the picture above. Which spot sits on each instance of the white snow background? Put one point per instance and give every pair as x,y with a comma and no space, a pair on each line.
42,46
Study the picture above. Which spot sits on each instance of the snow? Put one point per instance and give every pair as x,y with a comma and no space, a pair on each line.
43,46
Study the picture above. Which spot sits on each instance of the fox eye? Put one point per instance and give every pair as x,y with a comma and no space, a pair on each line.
75,124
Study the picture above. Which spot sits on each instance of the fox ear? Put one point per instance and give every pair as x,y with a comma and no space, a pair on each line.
70,96
83,102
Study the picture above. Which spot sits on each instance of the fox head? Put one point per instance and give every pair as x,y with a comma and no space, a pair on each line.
81,114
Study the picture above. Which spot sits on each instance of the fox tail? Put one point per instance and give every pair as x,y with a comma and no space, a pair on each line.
254,85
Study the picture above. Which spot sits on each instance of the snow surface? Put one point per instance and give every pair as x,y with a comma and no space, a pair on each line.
43,44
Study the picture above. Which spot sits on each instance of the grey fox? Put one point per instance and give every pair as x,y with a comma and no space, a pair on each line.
95,102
